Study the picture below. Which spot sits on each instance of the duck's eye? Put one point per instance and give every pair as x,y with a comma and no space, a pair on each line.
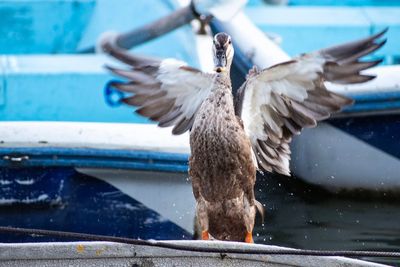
230,41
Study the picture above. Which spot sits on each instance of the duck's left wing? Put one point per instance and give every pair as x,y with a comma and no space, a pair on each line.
278,102
167,91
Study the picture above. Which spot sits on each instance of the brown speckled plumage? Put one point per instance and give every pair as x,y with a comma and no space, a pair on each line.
222,172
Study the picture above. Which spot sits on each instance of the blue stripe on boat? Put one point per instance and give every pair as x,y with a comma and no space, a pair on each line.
376,96
374,101
96,158
382,132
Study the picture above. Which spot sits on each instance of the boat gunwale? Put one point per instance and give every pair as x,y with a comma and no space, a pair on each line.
111,250
93,158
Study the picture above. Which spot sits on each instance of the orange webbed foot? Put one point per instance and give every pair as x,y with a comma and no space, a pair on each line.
205,235
249,238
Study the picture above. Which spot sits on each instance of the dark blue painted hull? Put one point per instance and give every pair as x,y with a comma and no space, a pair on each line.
63,199
381,131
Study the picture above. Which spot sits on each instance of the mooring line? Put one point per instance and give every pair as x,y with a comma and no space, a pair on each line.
165,244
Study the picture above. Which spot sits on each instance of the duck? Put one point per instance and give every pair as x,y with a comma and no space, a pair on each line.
232,136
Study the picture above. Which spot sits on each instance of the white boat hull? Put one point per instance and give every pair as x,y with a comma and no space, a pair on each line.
338,161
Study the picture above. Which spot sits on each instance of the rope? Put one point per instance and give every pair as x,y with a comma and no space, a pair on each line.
259,251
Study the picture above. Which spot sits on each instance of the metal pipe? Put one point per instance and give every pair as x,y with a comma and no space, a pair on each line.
153,30
164,25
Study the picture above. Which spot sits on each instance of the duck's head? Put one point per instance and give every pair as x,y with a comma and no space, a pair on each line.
222,52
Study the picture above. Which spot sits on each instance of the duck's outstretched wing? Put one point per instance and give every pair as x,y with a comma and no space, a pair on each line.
167,91
276,103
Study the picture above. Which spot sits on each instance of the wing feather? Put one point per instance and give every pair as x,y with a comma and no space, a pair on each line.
278,102
166,91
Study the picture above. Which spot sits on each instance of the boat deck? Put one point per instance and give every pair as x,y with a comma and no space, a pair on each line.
117,254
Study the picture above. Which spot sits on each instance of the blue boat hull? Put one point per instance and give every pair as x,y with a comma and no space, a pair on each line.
61,198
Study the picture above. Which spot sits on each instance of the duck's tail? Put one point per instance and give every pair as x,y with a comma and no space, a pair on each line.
260,209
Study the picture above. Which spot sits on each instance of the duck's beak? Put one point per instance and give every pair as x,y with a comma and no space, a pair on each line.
219,69
220,61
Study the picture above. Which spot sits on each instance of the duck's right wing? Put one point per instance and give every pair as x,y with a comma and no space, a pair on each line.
278,102
167,91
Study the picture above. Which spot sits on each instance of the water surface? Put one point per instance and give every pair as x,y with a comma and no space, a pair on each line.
312,219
